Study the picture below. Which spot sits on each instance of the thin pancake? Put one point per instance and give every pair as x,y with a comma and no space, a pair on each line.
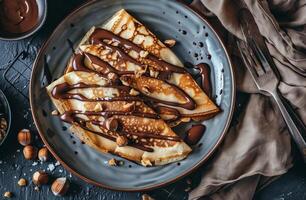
158,137
127,27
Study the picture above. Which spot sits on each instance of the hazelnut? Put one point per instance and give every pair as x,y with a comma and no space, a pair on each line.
60,186
112,76
121,140
134,92
40,178
22,182
170,43
112,162
146,197
29,152
8,195
43,154
24,137
111,124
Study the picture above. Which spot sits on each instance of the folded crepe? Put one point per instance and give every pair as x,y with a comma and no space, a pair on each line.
101,115
122,91
127,45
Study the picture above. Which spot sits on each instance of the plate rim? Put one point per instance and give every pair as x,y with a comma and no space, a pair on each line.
161,184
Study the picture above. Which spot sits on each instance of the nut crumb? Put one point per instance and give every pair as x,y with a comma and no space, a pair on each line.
143,54
8,195
112,162
170,42
54,113
22,182
134,92
146,197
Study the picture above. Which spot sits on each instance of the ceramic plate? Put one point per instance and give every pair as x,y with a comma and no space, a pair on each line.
168,19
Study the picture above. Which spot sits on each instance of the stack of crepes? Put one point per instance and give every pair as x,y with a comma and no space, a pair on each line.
123,90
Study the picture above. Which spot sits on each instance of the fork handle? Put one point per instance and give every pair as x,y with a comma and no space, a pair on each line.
294,123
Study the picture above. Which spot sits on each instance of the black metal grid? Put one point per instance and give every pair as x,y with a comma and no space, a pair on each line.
18,71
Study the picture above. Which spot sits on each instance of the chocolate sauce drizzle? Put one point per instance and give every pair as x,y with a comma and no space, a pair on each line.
71,117
62,91
99,35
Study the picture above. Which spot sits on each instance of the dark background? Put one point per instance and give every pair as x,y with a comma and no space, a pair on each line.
13,166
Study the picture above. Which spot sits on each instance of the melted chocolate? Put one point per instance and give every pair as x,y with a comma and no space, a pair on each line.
205,76
18,16
68,116
71,117
61,91
99,35
194,134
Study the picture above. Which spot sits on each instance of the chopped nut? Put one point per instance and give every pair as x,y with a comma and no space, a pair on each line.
40,178
146,162
112,76
60,186
154,73
22,182
98,107
111,124
43,154
170,42
143,54
134,92
121,140
54,113
146,197
112,162
8,195
24,137
29,152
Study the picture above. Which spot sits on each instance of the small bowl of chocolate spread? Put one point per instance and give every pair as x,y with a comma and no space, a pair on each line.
21,18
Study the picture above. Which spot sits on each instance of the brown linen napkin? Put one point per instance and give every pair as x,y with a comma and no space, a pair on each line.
258,148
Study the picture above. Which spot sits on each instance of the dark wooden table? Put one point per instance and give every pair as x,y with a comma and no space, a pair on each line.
13,166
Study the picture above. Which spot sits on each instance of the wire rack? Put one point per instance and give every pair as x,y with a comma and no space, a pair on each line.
18,71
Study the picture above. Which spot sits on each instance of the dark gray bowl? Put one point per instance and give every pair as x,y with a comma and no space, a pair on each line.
5,107
42,15
167,19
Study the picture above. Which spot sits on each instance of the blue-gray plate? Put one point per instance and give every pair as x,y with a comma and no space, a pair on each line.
168,19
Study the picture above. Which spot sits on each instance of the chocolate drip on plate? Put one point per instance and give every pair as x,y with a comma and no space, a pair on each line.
205,78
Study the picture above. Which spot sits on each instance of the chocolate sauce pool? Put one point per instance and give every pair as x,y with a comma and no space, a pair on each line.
18,16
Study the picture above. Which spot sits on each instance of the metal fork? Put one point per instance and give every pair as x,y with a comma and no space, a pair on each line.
267,82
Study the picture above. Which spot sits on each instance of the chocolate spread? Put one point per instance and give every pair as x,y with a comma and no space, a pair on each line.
18,16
